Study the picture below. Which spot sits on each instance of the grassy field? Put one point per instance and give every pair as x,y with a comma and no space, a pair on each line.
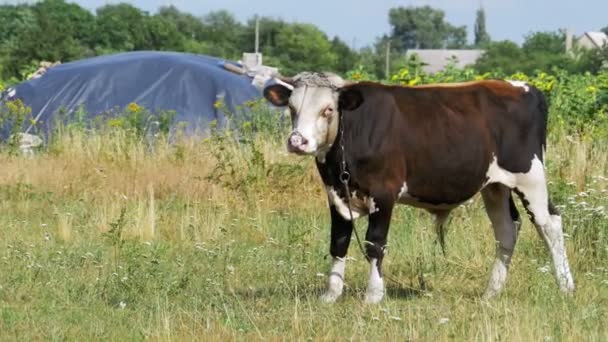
103,239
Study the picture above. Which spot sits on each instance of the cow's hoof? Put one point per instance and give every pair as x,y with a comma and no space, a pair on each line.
489,294
373,297
329,297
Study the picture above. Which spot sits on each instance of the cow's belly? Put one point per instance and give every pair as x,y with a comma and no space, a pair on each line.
414,202
441,191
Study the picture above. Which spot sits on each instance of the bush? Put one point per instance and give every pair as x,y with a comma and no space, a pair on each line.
578,103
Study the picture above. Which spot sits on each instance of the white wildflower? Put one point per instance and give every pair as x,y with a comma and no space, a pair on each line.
544,269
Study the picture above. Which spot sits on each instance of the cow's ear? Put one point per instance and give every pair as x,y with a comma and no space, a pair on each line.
350,99
277,94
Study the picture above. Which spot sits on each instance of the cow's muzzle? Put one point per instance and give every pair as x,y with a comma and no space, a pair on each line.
296,143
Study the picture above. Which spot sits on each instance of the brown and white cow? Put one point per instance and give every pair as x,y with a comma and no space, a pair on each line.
432,147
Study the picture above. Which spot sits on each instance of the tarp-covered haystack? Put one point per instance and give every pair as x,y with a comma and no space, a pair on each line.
191,85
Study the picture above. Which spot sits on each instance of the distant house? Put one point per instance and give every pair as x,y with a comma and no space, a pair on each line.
437,60
592,40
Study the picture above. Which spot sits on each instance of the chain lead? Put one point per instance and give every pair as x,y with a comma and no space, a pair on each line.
345,179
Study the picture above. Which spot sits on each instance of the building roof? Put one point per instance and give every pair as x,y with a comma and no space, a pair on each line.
599,39
437,60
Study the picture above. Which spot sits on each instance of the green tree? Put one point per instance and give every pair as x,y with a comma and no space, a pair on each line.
544,51
301,47
13,21
61,32
188,25
298,47
424,28
605,30
121,27
223,34
346,58
550,42
591,60
482,38
503,56
162,34
191,29
270,28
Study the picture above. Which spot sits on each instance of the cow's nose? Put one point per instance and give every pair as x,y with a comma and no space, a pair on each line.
296,141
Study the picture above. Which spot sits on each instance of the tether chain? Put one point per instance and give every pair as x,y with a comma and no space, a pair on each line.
344,179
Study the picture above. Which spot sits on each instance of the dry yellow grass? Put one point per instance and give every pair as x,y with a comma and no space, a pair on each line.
103,239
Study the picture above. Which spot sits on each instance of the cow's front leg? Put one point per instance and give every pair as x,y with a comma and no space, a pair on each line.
341,231
375,240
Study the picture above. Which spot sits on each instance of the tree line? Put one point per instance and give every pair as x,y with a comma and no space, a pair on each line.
56,30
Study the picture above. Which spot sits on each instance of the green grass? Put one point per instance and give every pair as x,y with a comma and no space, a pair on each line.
102,240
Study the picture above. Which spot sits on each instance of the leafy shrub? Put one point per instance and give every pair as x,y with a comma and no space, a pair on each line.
578,102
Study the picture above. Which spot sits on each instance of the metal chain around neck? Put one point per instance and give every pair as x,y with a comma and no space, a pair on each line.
345,179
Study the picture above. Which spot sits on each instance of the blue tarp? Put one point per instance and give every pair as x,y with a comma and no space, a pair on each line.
185,83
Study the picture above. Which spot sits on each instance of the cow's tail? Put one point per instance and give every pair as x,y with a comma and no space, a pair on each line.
541,107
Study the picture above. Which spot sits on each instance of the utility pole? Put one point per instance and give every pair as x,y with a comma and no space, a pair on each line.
388,59
257,34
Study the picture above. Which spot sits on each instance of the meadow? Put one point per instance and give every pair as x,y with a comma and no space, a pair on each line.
108,235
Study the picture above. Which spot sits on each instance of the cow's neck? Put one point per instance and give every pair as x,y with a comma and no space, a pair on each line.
330,165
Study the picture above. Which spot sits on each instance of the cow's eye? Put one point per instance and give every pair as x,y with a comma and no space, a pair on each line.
327,112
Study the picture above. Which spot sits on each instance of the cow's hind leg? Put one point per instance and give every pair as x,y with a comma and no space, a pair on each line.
532,189
505,222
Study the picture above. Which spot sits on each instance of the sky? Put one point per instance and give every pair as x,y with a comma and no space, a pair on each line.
360,22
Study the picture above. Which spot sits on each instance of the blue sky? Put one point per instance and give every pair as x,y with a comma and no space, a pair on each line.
361,21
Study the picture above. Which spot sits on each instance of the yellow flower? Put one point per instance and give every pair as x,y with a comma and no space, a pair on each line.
414,81
115,123
134,108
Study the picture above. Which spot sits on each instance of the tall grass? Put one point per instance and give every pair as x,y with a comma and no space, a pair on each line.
106,237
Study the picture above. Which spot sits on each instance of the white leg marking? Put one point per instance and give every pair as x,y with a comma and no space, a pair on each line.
336,281
534,188
553,235
375,286
497,278
496,201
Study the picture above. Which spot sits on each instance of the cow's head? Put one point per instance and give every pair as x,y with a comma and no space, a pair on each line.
313,100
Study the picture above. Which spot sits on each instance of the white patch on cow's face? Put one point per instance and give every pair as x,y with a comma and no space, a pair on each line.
520,84
315,118
313,104
336,280
360,206
375,285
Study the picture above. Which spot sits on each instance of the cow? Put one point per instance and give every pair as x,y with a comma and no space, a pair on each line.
433,147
